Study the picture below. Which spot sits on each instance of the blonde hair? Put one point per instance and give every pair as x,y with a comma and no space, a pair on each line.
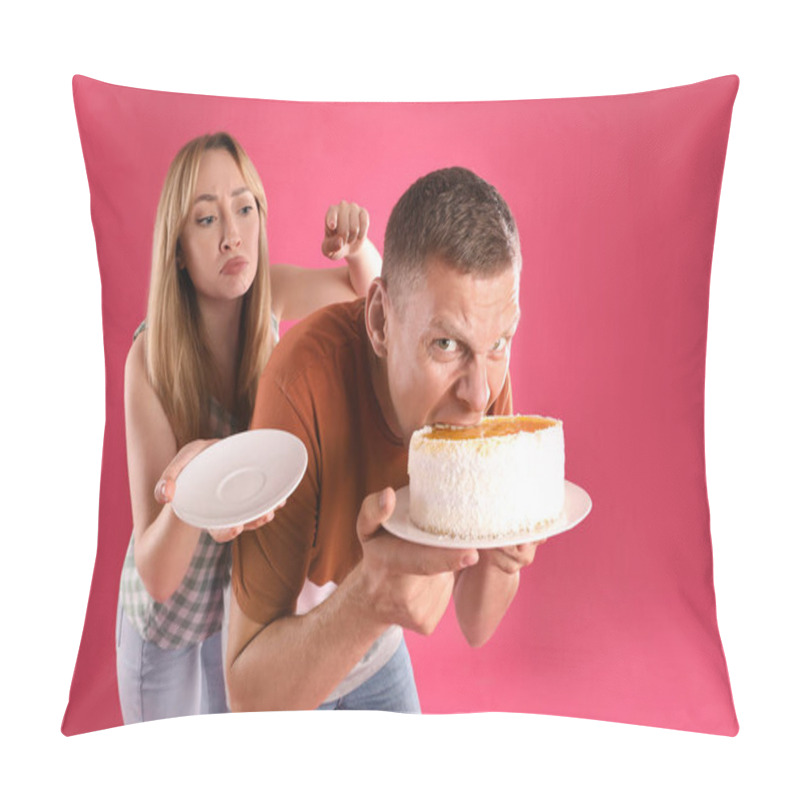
179,365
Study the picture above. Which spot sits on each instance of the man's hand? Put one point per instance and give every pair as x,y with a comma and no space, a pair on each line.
346,228
404,583
512,559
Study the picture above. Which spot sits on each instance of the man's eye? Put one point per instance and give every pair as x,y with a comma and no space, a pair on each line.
500,344
446,345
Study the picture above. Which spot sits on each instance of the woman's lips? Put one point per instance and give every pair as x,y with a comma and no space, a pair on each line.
234,266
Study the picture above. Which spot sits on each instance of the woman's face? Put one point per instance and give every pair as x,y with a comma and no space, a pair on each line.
220,238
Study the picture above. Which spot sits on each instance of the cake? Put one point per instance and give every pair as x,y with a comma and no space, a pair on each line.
500,478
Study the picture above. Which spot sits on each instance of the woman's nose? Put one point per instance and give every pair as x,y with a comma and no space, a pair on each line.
231,238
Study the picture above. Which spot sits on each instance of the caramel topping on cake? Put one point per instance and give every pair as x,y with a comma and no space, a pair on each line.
492,426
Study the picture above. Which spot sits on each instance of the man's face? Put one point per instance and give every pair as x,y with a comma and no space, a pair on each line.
448,345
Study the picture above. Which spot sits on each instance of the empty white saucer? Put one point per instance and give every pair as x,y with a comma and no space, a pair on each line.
240,478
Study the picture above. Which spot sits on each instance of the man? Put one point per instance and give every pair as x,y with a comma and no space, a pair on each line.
322,593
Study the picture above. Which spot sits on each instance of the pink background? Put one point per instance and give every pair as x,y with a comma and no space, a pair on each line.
616,201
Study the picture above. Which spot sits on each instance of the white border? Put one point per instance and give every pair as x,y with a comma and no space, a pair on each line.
53,395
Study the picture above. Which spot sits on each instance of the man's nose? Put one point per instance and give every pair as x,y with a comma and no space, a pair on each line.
473,386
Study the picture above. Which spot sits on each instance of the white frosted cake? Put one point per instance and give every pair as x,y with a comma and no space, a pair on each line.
500,478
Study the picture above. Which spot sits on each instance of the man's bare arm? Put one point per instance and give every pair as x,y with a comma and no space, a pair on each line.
484,592
296,661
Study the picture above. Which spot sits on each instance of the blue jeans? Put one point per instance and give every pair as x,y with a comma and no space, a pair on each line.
155,683
391,688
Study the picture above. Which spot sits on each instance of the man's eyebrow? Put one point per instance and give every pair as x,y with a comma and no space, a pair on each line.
450,324
451,330
441,325
212,198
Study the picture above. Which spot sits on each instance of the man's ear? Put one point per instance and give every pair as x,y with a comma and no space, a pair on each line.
376,314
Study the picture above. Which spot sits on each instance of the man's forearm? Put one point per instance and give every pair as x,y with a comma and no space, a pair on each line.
297,661
482,595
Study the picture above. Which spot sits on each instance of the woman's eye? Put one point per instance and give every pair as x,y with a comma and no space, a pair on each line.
446,345
245,210
205,221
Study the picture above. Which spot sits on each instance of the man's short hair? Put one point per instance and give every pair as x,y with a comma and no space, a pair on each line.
454,215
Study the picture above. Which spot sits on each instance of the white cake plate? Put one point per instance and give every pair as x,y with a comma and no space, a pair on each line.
577,504
239,478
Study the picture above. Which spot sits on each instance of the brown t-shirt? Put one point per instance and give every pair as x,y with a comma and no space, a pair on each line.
317,385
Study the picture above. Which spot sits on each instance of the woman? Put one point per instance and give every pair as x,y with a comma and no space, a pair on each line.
191,375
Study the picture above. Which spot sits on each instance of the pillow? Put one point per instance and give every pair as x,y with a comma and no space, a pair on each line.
616,201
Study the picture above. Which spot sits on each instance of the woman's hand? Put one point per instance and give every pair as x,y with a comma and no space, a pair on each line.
222,535
165,490
298,292
346,226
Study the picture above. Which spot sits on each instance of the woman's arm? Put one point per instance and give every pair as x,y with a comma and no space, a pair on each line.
163,544
296,292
